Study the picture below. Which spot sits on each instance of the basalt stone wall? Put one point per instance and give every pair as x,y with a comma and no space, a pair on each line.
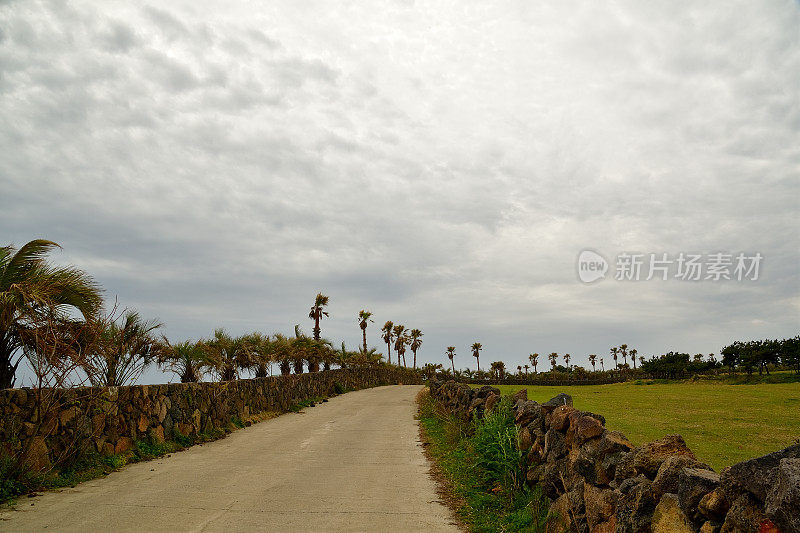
599,482
46,425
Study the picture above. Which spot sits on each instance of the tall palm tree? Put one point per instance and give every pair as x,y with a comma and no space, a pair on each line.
187,359
388,337
317,312
363,319
602,366
553,358
416,342
593,360
451,352
126,346
566,359
534,359
633,353
623,349
476,353
32,292
498,369
400,341
526,367
614,352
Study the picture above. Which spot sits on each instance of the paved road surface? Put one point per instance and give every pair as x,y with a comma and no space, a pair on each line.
351,464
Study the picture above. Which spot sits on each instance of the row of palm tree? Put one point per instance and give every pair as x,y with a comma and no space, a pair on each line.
401,338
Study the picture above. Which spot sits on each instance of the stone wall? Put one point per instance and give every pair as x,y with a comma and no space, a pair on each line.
45,426
599,482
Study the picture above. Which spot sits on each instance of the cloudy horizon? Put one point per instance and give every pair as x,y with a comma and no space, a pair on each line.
440,164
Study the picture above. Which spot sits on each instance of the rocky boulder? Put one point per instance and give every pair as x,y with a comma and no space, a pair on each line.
649,457
635,505
758,475
669,518
744,516
693,485
782,504
527,413
666,479
556,401
598,458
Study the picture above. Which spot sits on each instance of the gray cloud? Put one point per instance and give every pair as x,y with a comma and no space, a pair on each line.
442,166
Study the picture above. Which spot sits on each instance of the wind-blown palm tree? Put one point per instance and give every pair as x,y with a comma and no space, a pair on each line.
451,353
593,360
633,353
282,349
400,342
126,346
32,292
317,312
498,369
614,352
566,359
363,320
553,358
416,342
187,359
476,353
534,359
388,337
229,352
623,349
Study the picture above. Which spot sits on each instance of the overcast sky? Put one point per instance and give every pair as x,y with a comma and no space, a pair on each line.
441,164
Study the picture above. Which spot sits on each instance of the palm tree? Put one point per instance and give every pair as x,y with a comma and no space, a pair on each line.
602,367
623,349
282,349
187,359
400,341
363,319
317,312
526,367
388,336
498,369
534,359
566,359
451,352
125,347
641,360
614,352
476,353
416,342
519,370
33,292
633,353
230,353
553,358
593,359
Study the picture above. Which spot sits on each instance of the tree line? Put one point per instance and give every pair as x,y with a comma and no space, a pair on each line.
54,318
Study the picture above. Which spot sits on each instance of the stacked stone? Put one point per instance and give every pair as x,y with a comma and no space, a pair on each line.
599,482
47,426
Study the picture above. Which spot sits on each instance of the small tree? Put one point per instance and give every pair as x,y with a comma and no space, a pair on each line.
189,360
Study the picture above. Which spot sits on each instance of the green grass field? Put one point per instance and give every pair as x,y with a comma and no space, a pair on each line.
723,424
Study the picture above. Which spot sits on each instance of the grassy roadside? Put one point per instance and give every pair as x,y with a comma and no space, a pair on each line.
722,423
482,469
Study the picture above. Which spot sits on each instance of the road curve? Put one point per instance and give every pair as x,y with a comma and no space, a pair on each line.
351,464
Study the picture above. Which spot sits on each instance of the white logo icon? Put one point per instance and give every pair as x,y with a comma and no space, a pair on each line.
591,266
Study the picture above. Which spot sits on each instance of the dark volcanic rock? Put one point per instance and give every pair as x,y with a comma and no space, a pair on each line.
552,403
650,456
783,499
693,484
758,475
527,413
667,477
745,515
